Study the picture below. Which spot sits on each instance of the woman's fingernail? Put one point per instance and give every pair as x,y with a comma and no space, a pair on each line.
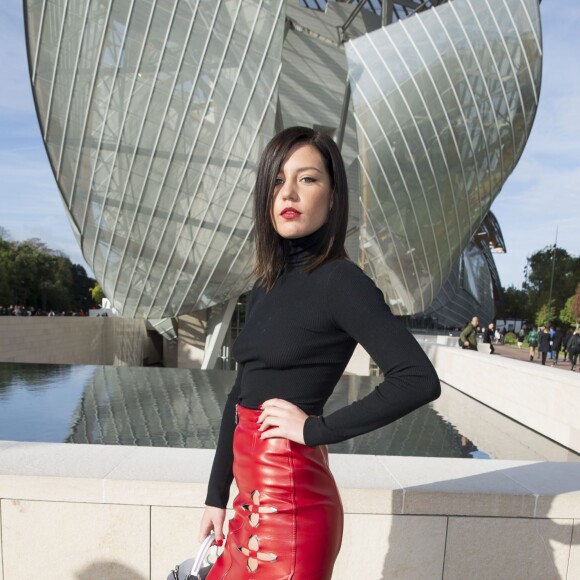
219,543
260,406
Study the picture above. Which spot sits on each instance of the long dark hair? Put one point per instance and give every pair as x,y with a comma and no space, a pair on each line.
270,259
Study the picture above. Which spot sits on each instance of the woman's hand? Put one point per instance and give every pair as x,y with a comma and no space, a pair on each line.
213,519
279,418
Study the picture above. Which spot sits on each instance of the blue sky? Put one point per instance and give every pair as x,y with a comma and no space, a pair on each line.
540,195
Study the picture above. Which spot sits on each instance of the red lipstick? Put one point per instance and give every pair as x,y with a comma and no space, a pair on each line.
289,213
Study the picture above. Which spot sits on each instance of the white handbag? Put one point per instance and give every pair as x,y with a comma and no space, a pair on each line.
195,568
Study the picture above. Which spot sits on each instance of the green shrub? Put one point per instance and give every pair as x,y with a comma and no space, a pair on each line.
510,338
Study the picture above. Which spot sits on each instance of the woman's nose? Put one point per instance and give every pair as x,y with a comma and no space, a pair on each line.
288,191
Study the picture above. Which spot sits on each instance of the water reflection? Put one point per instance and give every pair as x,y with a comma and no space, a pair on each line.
30,377
37,401
182,408
151,407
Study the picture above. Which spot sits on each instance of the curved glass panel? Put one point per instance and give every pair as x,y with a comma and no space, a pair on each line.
468,290
444,103
154,114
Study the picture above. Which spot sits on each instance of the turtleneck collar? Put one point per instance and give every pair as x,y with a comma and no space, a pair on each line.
300,251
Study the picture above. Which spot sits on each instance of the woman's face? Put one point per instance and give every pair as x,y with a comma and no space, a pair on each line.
302,194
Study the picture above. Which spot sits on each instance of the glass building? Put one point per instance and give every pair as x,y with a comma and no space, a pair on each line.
154,113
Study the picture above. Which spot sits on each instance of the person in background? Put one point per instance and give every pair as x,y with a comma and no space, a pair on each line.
503,332
469,335
533,336
565,342
557,338
488,337
521,337
544,343
551,332
574,348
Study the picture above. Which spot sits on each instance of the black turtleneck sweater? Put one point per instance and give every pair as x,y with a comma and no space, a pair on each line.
296,343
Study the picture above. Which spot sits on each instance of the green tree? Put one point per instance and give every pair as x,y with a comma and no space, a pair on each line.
7,296
576,304
58,287
517,304
566,316
30,273
570,314
34,276
97,294
545,315
81,288
566,270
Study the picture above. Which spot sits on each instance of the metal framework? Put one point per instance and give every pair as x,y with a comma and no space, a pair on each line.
154,114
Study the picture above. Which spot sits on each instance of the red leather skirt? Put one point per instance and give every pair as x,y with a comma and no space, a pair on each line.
288,515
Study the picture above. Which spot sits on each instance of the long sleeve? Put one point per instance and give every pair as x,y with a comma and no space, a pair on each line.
220,480
358,308
222,475
465,333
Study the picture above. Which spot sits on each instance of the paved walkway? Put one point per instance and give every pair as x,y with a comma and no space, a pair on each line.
523,354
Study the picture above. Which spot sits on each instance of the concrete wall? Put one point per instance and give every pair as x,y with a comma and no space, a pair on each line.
129,513
191,340
75,340
494,433
544,399
440,339
359,363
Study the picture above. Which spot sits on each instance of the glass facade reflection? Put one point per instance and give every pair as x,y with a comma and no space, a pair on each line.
473,285
444,104
154,114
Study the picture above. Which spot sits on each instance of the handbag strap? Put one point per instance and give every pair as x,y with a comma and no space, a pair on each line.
201,554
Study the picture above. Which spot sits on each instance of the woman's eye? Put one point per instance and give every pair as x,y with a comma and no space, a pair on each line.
308,179
278,181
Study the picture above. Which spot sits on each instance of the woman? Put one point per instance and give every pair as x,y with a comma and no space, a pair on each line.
307,311
533,336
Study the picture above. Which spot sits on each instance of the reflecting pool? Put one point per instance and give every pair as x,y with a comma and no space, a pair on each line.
182,408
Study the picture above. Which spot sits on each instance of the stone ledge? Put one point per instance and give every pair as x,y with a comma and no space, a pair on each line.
544,399
369,484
